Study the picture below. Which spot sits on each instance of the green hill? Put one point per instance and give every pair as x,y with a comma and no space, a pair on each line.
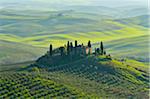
89,77
74,73
27,31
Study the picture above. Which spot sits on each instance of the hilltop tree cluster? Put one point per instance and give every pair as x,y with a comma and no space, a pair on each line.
71,52
77,49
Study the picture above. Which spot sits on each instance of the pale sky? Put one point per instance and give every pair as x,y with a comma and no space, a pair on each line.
75,1
109,3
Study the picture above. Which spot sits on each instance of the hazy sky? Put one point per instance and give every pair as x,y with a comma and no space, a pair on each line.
45,3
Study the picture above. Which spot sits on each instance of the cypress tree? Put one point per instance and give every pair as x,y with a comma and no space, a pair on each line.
102,48
51,49
68,48
89,44
71,46
76,43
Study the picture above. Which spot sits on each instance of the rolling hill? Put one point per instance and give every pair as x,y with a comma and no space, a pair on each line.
88,77
40,28
11,52
142,20
133,47
27,31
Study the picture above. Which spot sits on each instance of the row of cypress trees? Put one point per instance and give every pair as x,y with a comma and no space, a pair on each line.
70,48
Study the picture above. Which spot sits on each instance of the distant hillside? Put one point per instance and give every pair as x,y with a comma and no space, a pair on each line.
47,22
133,48
63,21
142,20
11,52
40,28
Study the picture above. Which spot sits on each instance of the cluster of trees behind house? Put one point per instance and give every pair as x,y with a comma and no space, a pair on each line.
77,49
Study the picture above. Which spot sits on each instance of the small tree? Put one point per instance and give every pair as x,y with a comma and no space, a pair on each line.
51,49
109,57
104,52
71,46
76,43
102,48
89,44
68,48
